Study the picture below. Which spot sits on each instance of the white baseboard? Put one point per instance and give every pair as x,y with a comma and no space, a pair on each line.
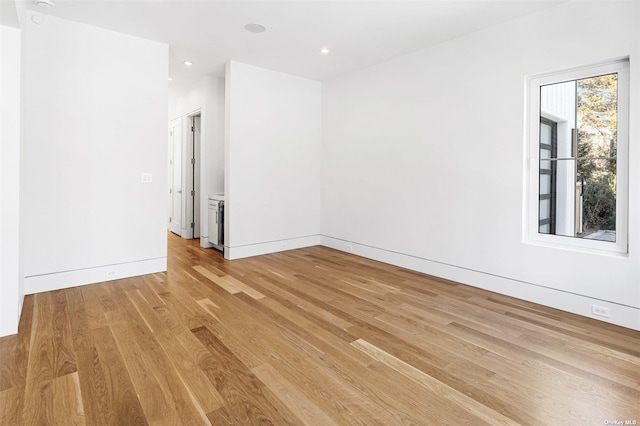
204,242
240,252
624,316
66,279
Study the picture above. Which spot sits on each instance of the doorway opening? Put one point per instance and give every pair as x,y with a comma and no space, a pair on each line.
184,176
193,174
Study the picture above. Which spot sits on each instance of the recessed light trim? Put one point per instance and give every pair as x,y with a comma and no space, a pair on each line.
324,51
255,28
169,78
45,3
188,63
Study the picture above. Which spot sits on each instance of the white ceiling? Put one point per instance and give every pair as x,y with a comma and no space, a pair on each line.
359,33
8,14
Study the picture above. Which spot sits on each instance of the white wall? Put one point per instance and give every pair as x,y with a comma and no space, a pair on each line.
207,96
95,114
11,282
272,166
423,160
213,152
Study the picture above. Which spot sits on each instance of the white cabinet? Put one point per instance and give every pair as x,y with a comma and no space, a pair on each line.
216,221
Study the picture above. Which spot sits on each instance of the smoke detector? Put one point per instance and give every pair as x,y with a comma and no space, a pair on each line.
45,3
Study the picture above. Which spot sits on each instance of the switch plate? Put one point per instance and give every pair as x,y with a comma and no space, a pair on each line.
146,178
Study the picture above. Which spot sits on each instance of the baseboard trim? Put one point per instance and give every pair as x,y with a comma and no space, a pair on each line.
239,252
624,316
204,242
66,279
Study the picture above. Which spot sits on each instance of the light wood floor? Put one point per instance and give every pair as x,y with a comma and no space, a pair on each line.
311,336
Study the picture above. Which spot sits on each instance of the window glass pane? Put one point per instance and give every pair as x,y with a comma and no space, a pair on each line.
596,200
545,184
544,209
545,165
578,148
597,116
545,134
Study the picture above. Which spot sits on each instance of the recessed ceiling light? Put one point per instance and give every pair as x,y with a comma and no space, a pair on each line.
45,3
255,28
324,51
170,79
188,63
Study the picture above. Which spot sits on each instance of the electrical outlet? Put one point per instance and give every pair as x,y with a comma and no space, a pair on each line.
146,178
111,273
600,311
349,247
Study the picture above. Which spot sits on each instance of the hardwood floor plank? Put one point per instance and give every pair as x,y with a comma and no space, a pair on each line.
464,404
347,391
38,403
64,355
225,284
246,289
146,311
157,406
468,364
301,406
274,290
145,287
309,336
96,399
121,393
184,356
507,348
67,404
632,350
11,402
241,348
9,353
185,313
93,306
240,388
229,282
14,350
171,384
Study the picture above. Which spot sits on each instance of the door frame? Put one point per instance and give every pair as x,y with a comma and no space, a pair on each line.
191,175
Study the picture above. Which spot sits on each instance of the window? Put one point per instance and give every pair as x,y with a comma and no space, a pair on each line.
577,158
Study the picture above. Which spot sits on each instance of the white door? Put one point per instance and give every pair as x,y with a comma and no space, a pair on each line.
175,177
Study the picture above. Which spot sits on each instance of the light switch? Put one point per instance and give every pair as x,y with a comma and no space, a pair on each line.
147,177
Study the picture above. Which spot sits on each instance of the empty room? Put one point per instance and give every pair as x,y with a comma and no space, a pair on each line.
319,212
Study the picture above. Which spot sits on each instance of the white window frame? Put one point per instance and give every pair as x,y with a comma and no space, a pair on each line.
532,160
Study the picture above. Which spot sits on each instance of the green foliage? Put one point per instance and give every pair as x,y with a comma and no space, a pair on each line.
597,102
599,204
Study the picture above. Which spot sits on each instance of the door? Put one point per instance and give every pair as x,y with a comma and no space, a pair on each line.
175,177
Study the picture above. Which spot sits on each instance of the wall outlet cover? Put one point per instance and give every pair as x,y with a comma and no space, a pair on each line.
600,311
